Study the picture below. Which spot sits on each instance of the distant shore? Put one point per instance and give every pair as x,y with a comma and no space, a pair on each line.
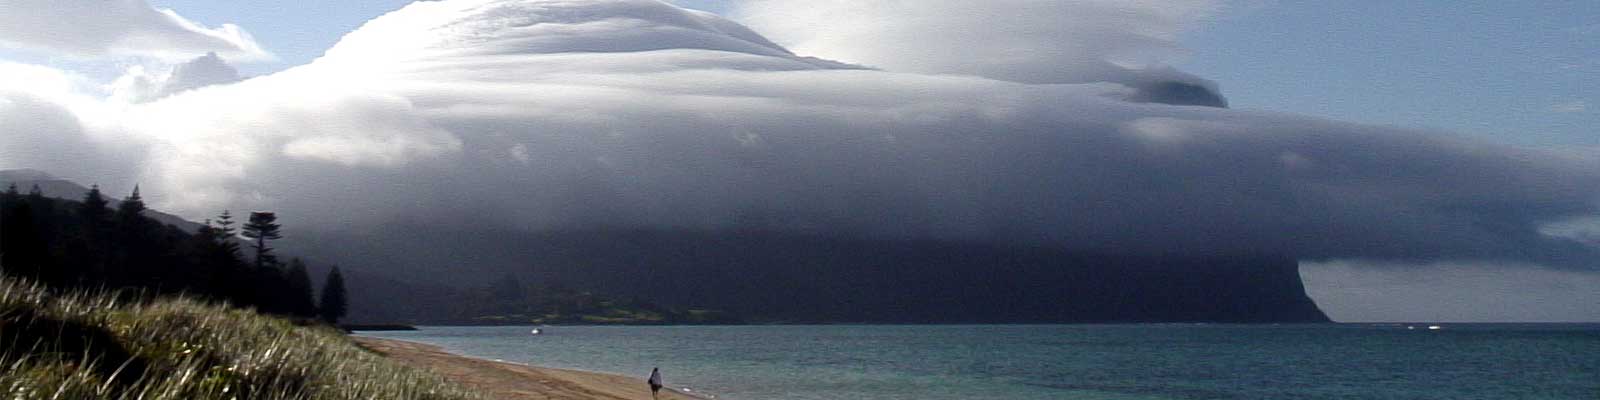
376,327
506,381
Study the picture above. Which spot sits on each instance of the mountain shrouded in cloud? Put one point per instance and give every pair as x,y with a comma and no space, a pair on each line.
550,115
137,85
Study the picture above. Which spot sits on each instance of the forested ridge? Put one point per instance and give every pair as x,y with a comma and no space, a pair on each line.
86,244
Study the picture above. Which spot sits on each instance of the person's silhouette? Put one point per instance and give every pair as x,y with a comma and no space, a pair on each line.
655,382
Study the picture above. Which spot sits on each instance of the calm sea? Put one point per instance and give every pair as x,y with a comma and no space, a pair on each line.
1347,361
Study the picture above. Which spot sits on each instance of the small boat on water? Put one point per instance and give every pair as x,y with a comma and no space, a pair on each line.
537,331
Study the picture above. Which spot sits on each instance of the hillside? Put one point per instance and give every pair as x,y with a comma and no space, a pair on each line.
111,346
50,239
53,187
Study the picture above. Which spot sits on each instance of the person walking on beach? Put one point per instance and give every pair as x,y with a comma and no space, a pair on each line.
655,381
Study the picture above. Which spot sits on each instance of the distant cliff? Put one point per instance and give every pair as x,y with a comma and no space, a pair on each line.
809,279
804,279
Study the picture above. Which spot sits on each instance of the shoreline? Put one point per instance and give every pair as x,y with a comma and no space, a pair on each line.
499,380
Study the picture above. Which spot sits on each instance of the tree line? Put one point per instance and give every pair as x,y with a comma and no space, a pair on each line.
87,244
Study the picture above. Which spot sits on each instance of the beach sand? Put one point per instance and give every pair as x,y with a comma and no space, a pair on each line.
506,381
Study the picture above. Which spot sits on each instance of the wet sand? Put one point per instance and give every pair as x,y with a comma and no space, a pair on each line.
506,381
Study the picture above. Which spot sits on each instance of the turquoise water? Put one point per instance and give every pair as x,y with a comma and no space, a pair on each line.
1068,362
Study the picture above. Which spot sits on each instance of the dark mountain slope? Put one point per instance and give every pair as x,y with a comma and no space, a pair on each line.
792,278
58,188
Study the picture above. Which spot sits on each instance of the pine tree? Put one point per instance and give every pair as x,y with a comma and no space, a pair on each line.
333,303
219,260
225,225
263,227
42,206
93,208
300,291
131,210
132,244
91,248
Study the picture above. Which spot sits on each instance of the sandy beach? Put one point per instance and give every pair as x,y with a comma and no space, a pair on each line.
506,381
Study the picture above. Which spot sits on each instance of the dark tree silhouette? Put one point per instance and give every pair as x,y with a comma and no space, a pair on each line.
263,227
134,245
131,208
21,249
93,208
269,290
299,290
78,244
91,248
45,229
8,199
41,205
333,303
225,225
216,256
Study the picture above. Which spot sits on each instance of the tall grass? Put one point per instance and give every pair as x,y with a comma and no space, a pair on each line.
115,346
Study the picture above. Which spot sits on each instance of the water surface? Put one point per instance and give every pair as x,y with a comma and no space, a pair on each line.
1068,362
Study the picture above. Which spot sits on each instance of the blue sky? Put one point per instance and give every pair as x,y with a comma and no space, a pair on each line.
1517,72
1521,72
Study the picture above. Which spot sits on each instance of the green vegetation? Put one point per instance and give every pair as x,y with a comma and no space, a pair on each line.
508,301
122,346
88,245
99,302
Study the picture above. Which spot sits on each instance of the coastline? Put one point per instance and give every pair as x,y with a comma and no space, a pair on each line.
507,381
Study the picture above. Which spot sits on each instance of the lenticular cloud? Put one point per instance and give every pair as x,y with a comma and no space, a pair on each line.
543,115
1055,41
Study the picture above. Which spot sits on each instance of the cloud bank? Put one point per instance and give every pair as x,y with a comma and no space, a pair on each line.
1030,41
87,28
543,115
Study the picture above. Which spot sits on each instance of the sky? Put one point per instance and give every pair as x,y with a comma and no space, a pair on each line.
1412,163
1517,72
1521,72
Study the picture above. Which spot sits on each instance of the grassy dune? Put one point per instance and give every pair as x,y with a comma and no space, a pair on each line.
104,346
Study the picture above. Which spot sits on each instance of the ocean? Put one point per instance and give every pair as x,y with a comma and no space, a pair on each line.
1122,362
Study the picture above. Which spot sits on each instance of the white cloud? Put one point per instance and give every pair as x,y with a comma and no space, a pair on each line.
88,28
1020,40
53,120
